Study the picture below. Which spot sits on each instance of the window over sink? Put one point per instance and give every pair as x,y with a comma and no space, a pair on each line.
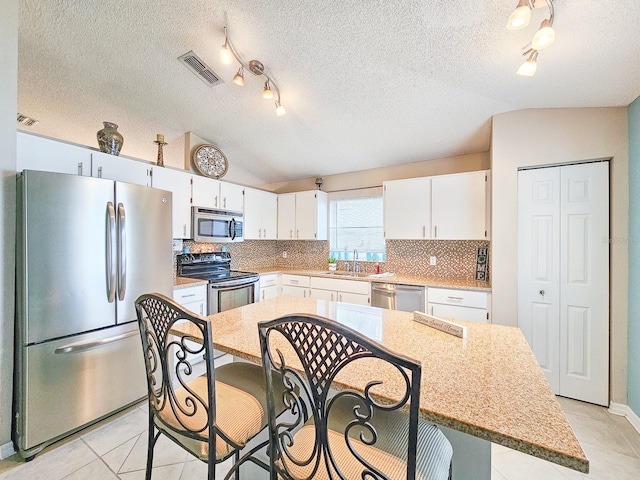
355,223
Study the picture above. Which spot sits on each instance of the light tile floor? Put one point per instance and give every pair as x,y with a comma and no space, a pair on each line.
116,449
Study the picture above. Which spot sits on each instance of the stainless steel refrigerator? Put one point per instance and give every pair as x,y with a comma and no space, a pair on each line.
86,248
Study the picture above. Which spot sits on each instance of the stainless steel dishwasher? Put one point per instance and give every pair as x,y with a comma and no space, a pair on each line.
408,298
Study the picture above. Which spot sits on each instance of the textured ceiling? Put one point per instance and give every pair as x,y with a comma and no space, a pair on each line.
365,83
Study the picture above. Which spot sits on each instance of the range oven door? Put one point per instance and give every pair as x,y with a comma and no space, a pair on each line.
222,298
217,226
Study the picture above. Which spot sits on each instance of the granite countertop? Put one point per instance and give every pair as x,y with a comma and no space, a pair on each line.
183,282
488,385
458,283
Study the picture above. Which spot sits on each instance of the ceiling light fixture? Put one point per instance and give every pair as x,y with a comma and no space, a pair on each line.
544,37
229,53
238,78
529,66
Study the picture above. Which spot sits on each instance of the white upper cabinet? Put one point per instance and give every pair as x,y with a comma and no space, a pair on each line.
443,207
179,183
303,215
212,193
260,215
459,206
407,208
39,153
205,192
122,169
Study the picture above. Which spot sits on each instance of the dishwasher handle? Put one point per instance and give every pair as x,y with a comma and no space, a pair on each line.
383,287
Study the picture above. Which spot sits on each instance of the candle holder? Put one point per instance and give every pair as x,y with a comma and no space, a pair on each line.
161,143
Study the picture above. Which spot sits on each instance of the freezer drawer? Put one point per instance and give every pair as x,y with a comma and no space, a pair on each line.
70,382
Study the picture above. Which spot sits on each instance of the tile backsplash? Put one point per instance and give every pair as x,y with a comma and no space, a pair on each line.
454,258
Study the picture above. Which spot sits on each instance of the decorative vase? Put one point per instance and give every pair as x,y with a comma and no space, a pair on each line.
109,139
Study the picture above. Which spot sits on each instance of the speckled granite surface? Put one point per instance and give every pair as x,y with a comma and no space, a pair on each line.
461,283
182,282
488,385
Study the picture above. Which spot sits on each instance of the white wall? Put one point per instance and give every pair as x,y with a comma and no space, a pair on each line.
8,110
549,136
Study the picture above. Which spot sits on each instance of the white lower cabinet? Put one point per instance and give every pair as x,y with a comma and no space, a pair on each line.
268,286
339,290
195,299
295,285
471,305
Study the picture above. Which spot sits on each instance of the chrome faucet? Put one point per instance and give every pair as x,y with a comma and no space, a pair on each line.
356,265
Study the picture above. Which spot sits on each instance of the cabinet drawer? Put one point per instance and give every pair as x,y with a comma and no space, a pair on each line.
340,285
462,298
268,280
453,312
295,280
190,294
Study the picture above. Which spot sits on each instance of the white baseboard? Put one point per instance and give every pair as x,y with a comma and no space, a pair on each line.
625,411
6,450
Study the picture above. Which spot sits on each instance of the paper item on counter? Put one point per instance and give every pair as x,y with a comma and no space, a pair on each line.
440,324
385,274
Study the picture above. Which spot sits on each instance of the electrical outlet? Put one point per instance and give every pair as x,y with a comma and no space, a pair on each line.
176,245
432,260
284,254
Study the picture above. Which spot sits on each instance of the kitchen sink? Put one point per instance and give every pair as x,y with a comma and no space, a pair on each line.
347,274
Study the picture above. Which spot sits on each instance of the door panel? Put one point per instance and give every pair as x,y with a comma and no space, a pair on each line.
584,282
62,254
147,245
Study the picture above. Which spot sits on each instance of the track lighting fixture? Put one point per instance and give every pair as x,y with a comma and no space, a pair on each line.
228,54
238,78
544,37
529,66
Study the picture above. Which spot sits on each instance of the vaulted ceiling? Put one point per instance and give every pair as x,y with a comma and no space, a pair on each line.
365,83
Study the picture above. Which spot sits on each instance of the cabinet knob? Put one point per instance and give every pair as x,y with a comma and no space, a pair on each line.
541,292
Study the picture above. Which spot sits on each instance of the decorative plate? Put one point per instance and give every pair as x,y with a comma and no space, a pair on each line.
210,161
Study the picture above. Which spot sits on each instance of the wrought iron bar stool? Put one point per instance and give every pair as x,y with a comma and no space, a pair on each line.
345,434
212,416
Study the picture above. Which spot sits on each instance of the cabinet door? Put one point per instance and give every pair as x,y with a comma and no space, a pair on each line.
253,205
295,291
121,169
269,216
179,183
311,215
330,295
268,292
458,206
357,298
286,216
205,192
38,153
407,208
232,196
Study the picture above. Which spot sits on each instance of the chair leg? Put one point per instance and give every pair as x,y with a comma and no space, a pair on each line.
150,445
237,459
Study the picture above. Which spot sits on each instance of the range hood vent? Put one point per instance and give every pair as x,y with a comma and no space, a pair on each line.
201,69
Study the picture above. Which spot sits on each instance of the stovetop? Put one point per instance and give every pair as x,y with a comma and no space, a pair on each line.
214,267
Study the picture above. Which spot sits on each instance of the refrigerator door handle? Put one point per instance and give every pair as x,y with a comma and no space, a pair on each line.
122,253
84,346
111,241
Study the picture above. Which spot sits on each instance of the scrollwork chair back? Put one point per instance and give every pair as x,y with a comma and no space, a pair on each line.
345,434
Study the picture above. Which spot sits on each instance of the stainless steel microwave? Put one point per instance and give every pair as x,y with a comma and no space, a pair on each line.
217,226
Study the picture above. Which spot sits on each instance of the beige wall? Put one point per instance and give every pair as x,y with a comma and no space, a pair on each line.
375,176
549,136
8,110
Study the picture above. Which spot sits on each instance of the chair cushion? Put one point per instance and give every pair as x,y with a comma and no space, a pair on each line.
388,454
240,412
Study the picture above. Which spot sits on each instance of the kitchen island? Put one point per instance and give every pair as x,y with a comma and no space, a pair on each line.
485,388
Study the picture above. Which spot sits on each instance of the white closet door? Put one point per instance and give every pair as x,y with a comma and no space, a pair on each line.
539,266
584,282
563,275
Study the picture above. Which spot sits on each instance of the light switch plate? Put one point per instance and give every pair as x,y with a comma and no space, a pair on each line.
176,245
432,260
